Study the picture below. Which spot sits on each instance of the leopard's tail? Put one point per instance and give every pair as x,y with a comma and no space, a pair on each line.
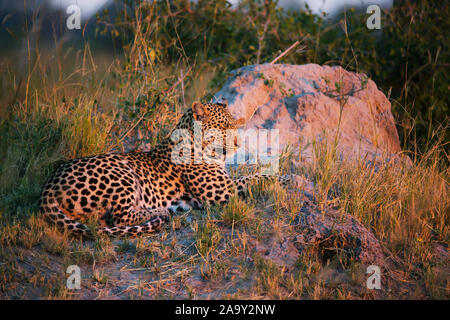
133,231
55,215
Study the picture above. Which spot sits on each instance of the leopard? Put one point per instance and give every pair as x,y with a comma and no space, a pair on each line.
131,194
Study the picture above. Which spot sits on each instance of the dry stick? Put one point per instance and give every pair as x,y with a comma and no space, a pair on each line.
285,52
179,81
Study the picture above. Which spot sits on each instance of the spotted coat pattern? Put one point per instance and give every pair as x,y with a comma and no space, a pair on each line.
132,194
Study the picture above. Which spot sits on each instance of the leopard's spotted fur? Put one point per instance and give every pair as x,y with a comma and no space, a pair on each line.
134,193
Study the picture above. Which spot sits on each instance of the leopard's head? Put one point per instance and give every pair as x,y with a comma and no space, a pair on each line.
215,127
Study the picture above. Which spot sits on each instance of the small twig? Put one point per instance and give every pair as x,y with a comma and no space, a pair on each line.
129,131
179,80
144,114
261,41
285,52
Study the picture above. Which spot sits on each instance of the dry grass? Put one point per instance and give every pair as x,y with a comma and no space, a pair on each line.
222,252
214,253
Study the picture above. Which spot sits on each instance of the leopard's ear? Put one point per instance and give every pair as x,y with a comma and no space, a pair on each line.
199,111
239,122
